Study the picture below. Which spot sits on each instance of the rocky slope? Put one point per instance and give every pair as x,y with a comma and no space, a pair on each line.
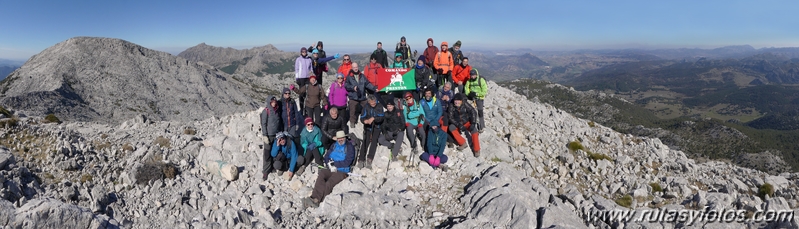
263,59
111,80
144,174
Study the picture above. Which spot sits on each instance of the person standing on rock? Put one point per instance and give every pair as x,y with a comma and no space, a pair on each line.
436,144
405,52
337,96
380,55
331,124
284,156
303,67
314,99
270,126
443,65
320,64
393,127
372,118
457,55
461,74
414,121
341,154
462,118
311,142
290,115
346,65
357,87
430,52
425,78
372,70
476,90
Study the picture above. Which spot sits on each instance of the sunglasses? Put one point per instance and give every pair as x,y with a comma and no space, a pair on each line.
346,59
339,77
309,124
287,93
407,98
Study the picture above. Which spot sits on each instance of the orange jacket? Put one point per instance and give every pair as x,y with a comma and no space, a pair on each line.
461,74
345,68
370,72
443,61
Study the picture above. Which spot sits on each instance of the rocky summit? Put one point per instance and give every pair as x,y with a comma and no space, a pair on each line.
539,166
112,80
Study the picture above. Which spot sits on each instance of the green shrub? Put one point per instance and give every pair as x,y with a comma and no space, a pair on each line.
656,187
625,201
598,156
575,145
162,142
51,118
765,189
169,170
7,123
85,177
190,131
5,112
496,159
127,147
592,124
155,171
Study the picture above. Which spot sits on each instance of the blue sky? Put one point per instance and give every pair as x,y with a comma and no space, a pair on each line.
28,27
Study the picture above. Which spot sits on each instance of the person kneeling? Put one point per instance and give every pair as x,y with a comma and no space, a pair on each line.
462,118
284,155
436,144
339,158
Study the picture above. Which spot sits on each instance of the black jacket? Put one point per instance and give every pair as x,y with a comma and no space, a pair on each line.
394,121
377,113
381,57
330,126
458,116
363,86
425,78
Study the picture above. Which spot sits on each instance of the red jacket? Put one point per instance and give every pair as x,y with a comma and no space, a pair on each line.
370,72
345,68
461,74
430,53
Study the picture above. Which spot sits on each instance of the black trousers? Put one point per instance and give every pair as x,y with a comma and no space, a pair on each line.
369,145
325,183
315,113
301,83
312,155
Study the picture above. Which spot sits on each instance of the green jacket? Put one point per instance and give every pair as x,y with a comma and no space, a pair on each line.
315,137
477,85
413,114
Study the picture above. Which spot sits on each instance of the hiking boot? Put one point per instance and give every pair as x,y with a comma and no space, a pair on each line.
361,164
310,202
300,171
393,157
450,145
415,151
476,153
462,147
352,125
280,172
369,164
481,131
391,146
266,175
443,167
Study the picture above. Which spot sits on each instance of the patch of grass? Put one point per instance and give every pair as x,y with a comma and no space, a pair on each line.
598,156
765,189
154,171
496,159
86,177
190,131
162,142
51,118
169,170
8,123
575,145
103,136
102,145
592,124
656,187
625,201
5,112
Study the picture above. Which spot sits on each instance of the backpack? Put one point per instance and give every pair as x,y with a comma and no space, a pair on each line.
356,143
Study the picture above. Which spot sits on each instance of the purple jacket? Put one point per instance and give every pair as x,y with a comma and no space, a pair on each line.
302,67
338,95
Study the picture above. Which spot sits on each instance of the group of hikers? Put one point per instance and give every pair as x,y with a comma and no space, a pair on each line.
447,102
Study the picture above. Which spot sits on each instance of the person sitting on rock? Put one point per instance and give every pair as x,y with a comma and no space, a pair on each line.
284,156
372,118
341,154
414,121
476,90
436,144
311,142
432,111
393,127
270,126
462,118
332,124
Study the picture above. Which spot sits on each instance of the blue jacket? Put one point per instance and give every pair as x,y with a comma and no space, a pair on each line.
341,155
436,142
319,65
363,85
314,137
413,113
289,150
432,111
376,112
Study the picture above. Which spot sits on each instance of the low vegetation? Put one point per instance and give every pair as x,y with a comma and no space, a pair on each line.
598,156
625,201
162,142
575,145
765,190
656,187
189,131
51,118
